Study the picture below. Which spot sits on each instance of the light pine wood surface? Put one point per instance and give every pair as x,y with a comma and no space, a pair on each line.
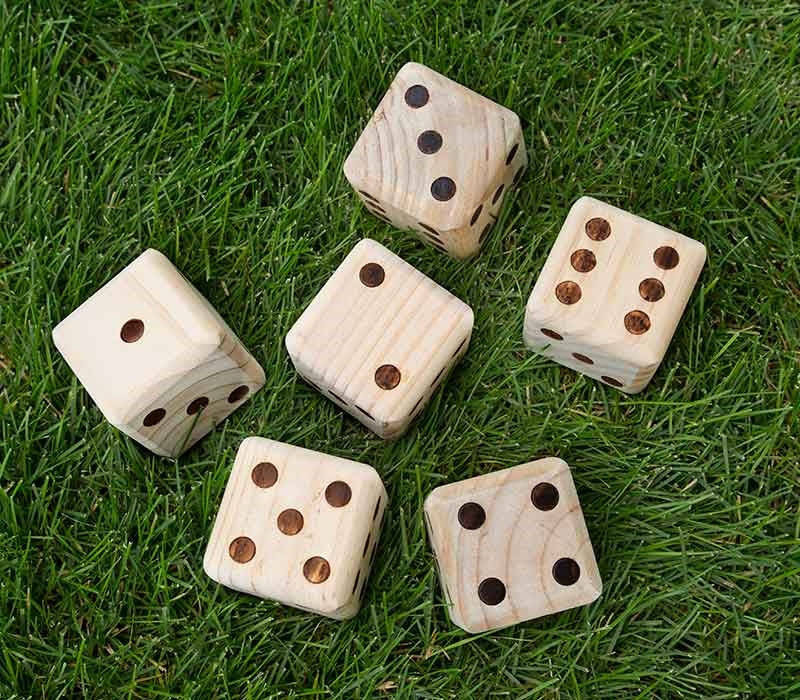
611,294
156,358
297,526
379,338
429,129
511,546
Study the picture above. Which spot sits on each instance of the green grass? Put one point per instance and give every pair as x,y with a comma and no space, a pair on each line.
218,136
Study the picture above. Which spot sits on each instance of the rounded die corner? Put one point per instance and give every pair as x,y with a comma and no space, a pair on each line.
534,322
596,589
393,430
352,170
634,389
436,500
251,446
409,65
153,261
699,252
155,254
57,335
257,376
344,613
209,568
337,606
251,441
411,69
583,202
515,129
467,318
371,475
369,244
559,464
293,342
470,626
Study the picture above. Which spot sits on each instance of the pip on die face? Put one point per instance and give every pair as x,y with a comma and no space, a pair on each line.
512,546
297,526
611,294
156,358
379,338
437,158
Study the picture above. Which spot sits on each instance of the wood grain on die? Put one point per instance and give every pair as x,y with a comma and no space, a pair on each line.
611,294
428,166
156,358
512,545
378,349
292,524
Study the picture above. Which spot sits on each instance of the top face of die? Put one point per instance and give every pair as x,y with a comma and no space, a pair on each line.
140,332
379,333
616,282
512,545
292,524
433,148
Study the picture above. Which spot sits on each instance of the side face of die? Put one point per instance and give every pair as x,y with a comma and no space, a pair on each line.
379,338
512,546
611,294
437,158
156,358
297,526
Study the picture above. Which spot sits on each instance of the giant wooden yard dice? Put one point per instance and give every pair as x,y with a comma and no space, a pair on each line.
512,546
611,294
437,158
379,338
297,526
157,359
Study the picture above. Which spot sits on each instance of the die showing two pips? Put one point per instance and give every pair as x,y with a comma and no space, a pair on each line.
379,338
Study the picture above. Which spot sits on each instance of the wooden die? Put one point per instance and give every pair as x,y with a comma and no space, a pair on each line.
437,158
156,358
297,526
511,546
379,338
611,294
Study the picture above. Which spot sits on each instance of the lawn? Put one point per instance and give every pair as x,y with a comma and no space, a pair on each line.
217,135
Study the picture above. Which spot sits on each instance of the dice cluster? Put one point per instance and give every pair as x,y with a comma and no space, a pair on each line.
378,339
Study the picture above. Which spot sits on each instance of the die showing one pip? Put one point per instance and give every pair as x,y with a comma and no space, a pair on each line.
379,338
437,158
156,358
611,294
511,546
297,526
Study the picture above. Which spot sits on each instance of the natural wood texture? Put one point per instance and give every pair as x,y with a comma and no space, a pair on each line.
156,358
504,540
379,349
611,294
297,526
437,158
